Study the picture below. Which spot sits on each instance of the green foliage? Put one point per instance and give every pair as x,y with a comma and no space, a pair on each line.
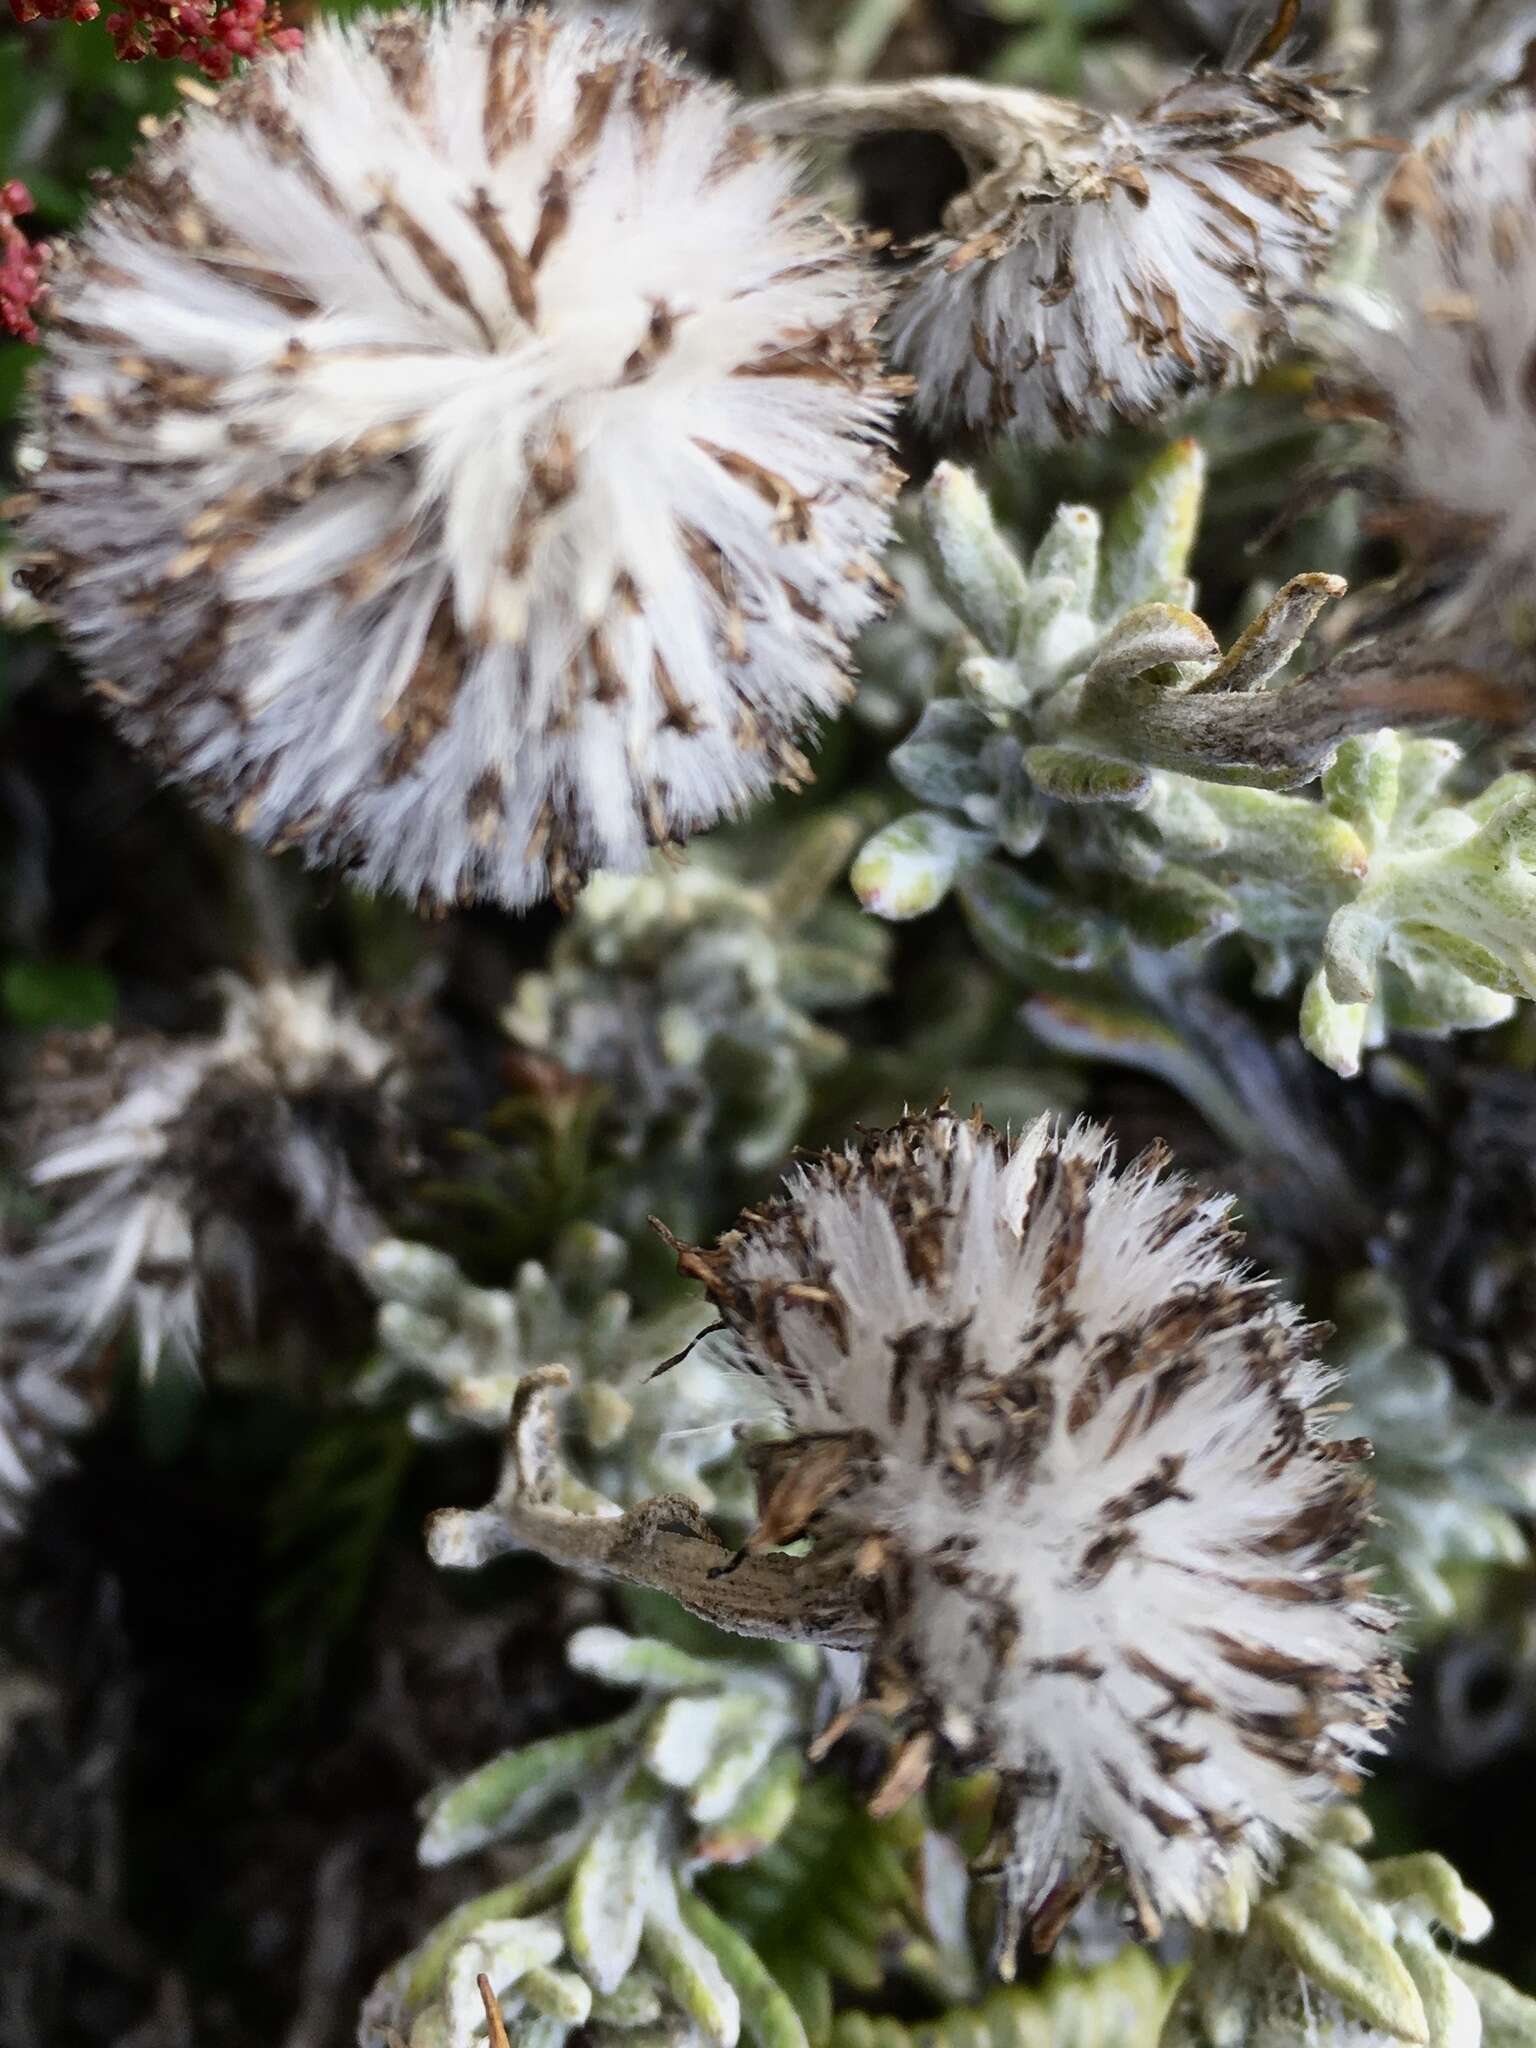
1454,1481
463,1349
1343,1946
703,1771
833,1902
1099,734
326,1526
48,995
692,997
1117,2004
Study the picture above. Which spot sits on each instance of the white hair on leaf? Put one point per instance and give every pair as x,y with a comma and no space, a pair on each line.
465,453
1075,1452
1125,263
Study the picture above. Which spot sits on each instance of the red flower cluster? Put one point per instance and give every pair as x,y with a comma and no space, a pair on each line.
54,10
22,264
200,32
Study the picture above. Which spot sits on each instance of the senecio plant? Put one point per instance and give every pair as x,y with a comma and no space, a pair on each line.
974,1596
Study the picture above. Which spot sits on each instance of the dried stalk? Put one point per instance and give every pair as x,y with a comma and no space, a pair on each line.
665,1543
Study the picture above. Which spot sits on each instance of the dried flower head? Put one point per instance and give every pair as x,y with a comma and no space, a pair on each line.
1075,1454
1443,360
1108,272
465,454
181,1163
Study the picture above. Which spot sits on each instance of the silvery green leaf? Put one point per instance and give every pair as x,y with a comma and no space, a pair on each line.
909,867
1181,908
558,1994
1436,960
938,763
1287,838
760,1815
1184,821
416,1981
1022,927
770,2019
1450,2009
531,2029
507,1794
976,566
1361,783
620,1659
689,1968
605,1412
1069,554
1508,2016
1429,994
1331,1031
682,1738
1021,814
1073,775
414,1274
992,686
1333,1940
605,1908
515,1946
1443,758
1153,638
742,1747
1151,531
1352,947
591,1258
634,2003
413,1338
1427,1881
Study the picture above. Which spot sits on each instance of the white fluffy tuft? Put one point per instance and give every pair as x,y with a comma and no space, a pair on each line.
465,453
1447,348
1078,1450
1146,259
148,1214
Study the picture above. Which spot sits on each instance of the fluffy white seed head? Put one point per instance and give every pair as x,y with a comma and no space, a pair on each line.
465,453
1445,355
1129,265
154,1152
1076,1451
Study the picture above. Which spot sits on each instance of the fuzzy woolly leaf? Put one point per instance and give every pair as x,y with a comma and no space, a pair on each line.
1023,927
1152,529
1330,1938
1333,1032
1428,1881
937,764
908,868
977,568
760,1815
507,1794
619,1659
1450,2009
689,1968
1073,775
1152,638
605,1910
1508,2016
770,2018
